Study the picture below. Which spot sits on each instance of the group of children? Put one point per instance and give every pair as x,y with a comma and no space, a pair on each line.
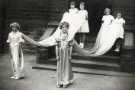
63,45
84,14
111,30
63,53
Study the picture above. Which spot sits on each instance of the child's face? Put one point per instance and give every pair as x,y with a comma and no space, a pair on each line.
72,5
118,15
14,29
82,6
64,29
107,11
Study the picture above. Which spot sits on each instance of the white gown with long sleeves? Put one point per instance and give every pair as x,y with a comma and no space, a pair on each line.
105,39
64,67
14,40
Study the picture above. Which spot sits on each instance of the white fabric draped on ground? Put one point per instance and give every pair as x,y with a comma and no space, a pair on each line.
105,39
75,21
104,42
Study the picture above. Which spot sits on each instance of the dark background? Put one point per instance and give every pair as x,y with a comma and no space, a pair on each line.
35,14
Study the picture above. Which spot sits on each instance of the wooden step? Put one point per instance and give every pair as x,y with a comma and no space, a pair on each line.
103,58
89,64
85,70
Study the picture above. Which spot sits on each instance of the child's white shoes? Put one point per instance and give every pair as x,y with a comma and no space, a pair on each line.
16,77
117,50
12,77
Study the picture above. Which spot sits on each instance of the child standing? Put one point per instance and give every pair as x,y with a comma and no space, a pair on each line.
63,54
118,26
15,39
85,26
105,38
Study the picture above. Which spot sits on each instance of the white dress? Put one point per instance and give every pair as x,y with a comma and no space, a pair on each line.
85,26
117,26
105,38
14,40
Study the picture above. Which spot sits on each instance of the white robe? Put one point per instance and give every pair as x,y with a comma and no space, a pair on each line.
14,40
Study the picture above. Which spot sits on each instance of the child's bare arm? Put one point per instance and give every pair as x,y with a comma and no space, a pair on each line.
30,40
86,15
57,51
70,49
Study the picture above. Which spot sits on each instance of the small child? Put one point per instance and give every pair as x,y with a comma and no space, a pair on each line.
85,26
63,54
118,26
15,39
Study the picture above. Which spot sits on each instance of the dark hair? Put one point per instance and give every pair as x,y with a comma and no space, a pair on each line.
118,11
15,24
107,9
82,2
72,1
64,24
85,4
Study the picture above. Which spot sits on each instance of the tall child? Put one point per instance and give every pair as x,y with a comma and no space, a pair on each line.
85,26
63,54
105,38
15,41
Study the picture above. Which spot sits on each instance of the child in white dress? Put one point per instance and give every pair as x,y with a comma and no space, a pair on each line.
105,38
15,39
85,26
118,26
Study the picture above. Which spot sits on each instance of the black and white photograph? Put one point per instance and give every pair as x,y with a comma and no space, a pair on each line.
67,44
